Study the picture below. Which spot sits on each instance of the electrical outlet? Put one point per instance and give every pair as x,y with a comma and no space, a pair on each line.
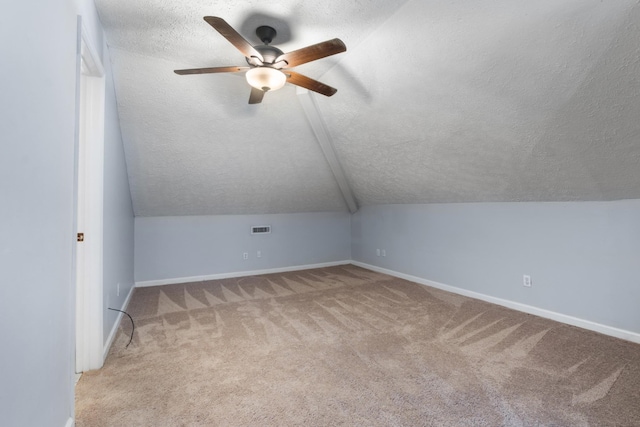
377,252
526,281
258,254
384,252
118,290
245,255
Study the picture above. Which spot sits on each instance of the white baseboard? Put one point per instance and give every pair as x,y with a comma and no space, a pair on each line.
114,330
238,274
559,317
70,422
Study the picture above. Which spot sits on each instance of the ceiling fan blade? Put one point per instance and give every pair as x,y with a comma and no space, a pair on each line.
210,70
234,37
256,96
308,83
313,52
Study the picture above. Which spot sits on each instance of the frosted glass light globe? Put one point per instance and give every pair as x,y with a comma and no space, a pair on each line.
266,78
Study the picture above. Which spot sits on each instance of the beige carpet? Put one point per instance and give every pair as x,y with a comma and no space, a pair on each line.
347,346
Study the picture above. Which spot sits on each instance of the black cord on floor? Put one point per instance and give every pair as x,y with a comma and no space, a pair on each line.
133,326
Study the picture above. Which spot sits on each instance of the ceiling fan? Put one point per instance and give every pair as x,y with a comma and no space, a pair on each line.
268,66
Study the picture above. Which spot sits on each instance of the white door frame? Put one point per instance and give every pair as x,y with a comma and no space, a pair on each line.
89,181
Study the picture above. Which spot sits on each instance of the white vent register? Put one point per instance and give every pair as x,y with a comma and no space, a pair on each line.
260,229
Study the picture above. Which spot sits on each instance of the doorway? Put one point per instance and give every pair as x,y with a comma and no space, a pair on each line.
89,189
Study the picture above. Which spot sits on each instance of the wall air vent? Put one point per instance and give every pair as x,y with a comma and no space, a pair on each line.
261,229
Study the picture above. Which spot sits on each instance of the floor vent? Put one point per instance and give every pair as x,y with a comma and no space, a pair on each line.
261,229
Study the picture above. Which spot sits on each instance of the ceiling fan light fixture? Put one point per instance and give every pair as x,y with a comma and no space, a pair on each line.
266,78
265,61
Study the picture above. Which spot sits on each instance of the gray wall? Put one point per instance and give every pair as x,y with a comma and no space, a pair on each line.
37,142
37,121
118,212
177,247
583,258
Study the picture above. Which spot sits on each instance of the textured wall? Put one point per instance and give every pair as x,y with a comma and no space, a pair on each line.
193,145
177,247
437,102
500,101
582,257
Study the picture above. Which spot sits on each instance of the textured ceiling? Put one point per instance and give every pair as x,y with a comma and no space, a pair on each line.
438,101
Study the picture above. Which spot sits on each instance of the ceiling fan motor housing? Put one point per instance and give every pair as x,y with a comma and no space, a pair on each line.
269,53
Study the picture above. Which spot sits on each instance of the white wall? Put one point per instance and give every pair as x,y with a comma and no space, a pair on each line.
37,138
188,246
118,223
584,258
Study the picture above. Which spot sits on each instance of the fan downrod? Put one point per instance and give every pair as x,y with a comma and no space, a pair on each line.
266,33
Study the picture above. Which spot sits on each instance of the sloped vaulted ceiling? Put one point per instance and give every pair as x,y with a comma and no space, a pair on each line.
438,101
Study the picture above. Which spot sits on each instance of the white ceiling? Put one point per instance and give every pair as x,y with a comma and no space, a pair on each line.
438,101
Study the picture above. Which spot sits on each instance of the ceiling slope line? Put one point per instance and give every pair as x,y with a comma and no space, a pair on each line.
324,141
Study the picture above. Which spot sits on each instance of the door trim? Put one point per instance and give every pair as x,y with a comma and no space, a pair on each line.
89,197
